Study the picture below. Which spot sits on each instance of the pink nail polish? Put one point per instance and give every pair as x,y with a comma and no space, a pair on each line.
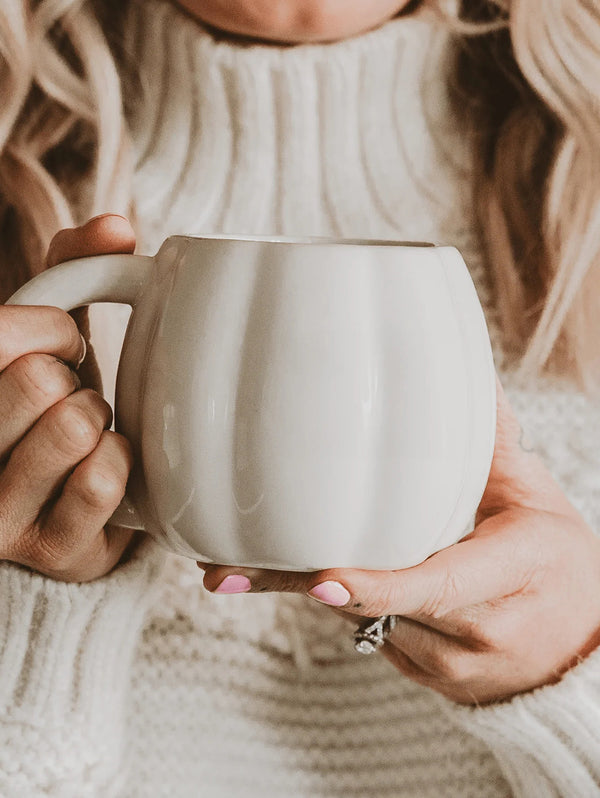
235,583
331,593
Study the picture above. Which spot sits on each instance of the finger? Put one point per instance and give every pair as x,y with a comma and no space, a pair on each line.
224,579
495,562
477,628
94,490
406,666
432,660
460,690
28,387
471,626
25,330
103,235
433,652
76,544
37,467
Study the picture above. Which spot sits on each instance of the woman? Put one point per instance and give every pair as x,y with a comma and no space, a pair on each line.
299,118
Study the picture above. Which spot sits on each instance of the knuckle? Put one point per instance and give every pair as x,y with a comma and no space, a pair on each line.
91,402
42,379
77,430
63,327
17,322
100,488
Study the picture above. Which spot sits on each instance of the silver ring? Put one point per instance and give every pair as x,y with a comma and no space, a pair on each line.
372,634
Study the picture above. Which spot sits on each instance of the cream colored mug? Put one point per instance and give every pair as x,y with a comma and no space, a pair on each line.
296,403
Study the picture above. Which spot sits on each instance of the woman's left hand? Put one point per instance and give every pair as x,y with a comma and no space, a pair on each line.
511,607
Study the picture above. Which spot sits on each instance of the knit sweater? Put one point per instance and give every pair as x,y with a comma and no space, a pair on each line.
142,683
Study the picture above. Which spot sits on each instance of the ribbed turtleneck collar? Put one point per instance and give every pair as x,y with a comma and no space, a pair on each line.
328,139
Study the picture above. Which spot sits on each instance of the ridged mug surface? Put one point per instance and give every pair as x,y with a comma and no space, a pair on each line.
305,405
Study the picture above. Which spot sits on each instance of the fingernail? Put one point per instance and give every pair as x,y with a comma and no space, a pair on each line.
84,345
235,583
104,215
331,593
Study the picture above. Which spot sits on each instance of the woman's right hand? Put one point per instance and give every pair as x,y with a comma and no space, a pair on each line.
62,471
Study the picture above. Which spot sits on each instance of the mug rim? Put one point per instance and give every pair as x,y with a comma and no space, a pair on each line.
323,240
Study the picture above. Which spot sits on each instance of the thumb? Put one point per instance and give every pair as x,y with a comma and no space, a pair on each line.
495,560
518,476
102,235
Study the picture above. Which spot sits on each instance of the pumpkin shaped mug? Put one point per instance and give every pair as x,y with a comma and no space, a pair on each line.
296,403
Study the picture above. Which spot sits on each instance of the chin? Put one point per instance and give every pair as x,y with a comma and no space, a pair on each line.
292,21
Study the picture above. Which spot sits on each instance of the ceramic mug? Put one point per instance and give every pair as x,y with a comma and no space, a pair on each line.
296,403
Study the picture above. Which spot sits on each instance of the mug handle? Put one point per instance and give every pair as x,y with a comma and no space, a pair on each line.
83,281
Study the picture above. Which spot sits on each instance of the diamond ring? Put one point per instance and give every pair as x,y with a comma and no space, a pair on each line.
371,634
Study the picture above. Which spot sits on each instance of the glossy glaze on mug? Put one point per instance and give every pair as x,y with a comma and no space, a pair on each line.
307,406
297,403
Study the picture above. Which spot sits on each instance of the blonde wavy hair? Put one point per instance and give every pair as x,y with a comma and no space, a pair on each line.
526,88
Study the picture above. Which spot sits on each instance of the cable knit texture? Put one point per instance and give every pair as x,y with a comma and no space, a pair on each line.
263,695
65,675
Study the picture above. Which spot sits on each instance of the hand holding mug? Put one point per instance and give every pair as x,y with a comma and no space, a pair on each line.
509,608
296,403
62,471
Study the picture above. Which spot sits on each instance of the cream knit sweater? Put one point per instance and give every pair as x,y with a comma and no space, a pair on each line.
142,684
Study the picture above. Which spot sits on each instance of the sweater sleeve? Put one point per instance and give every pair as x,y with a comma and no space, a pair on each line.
65,661
547,741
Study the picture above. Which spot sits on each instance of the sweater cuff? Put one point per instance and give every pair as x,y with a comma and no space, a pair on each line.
547,741
65,657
